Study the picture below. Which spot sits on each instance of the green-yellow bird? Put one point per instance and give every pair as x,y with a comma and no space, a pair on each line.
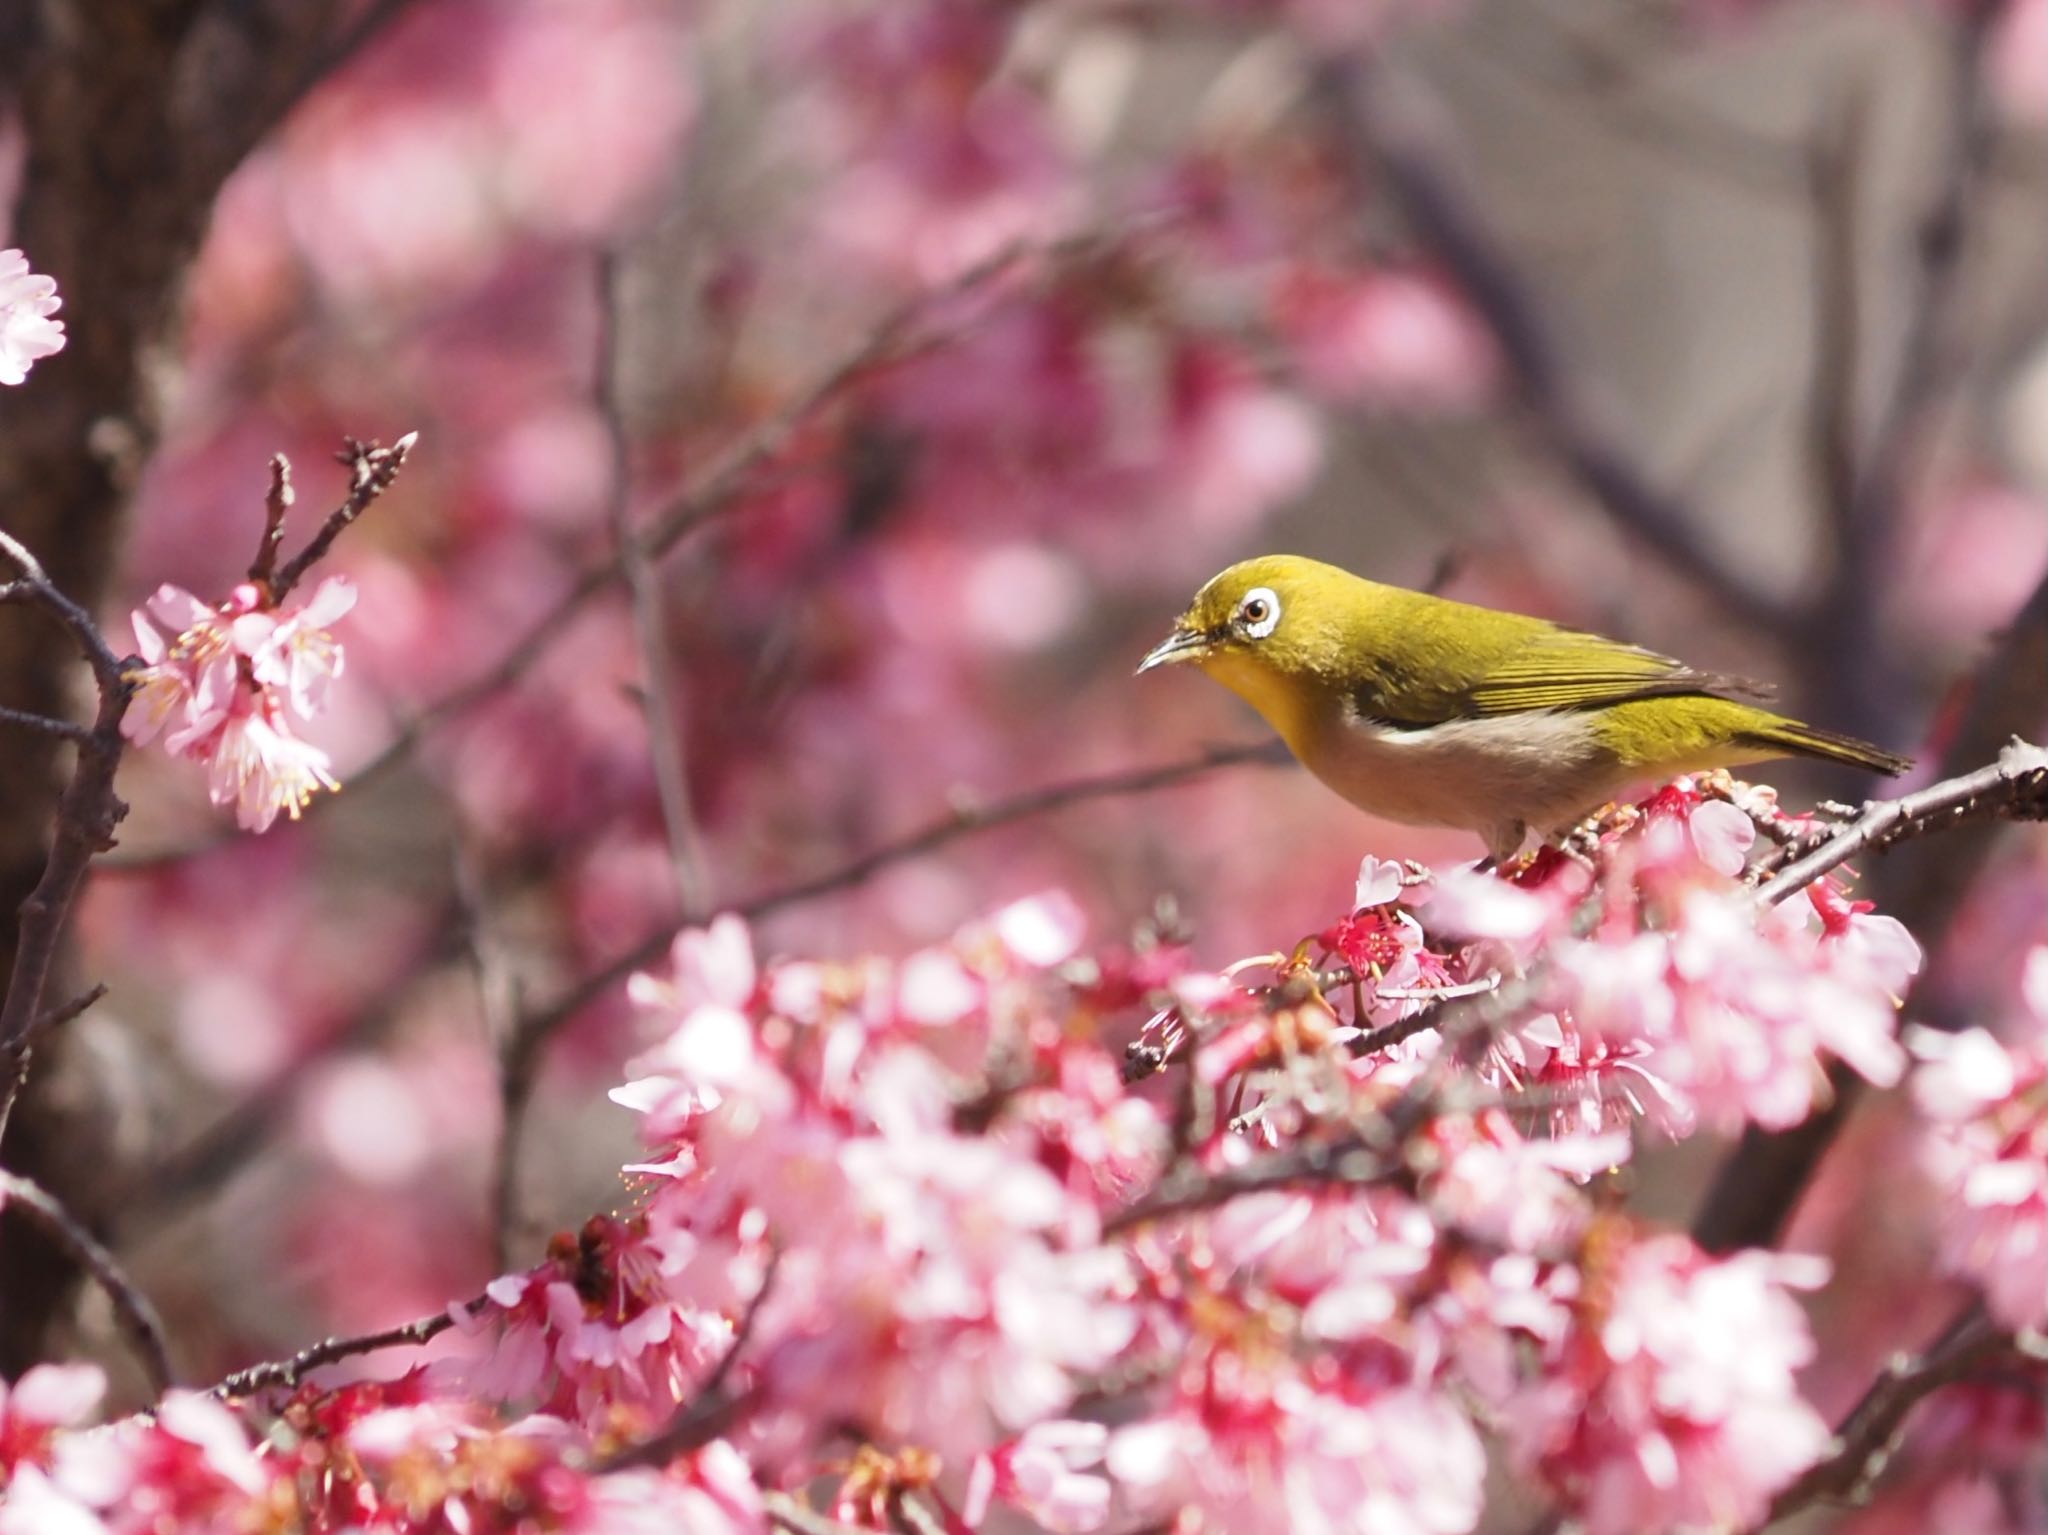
1439,713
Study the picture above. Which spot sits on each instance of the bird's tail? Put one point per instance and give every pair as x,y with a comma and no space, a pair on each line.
1806,741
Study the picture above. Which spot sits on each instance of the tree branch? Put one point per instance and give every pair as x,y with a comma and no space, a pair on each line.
289,1372
131,1307
371,469
87,813
1865,1437
2014,788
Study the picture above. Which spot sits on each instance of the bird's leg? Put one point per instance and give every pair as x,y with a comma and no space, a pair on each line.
1503,841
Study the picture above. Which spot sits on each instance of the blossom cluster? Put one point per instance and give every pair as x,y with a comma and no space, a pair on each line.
1985,1104
223,685
1110,1240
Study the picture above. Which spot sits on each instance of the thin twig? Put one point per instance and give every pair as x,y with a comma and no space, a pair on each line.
2014,788
687,858
56,1017
371,470
131,1307
1864,1439
277,502
289,1372
43,724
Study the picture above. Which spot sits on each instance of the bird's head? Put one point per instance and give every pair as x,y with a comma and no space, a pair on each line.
1273,613
1271,629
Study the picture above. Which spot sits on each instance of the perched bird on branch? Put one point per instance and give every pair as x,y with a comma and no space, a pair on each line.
1439,713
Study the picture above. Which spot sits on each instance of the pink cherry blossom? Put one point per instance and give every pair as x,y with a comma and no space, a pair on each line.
221,685
1987,1147
47,1398
1658,1422
1247,1451
27,333
1049,1473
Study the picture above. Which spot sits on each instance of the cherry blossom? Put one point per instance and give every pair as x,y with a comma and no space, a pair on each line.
223,685
1654,1421
27,333
1987,1146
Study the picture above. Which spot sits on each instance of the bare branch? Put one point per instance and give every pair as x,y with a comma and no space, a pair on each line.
44,725
87,813
2014,788
277,501
289,1372
56,1017
498,996
1881,483
36,587
371,470
137,1317
1865,1437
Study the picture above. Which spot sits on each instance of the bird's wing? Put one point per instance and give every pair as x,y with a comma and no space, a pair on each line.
1544,667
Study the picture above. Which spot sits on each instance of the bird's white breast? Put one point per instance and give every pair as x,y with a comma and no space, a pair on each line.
1495,775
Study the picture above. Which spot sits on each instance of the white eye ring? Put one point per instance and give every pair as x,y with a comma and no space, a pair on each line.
1259,612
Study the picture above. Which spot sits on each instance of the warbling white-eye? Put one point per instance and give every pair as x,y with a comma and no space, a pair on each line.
1439,713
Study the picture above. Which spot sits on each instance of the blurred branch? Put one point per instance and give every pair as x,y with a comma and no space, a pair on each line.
2014,788
1833,188
1930,355
336,53
289,1372
131,1308
687,858
1612,80
1865,1437
529,1037
1390,125
87,813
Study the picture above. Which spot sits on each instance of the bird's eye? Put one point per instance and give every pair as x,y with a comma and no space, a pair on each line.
1259,612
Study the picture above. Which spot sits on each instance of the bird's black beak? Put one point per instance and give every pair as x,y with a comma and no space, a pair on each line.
1181,645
